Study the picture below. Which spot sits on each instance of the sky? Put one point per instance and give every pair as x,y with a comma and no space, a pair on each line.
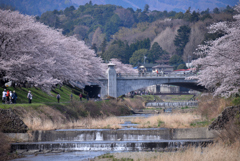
169,5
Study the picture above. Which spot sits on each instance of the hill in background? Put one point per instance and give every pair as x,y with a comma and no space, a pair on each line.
37,7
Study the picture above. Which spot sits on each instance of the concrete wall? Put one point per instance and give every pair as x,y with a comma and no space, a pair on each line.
166,134
172,104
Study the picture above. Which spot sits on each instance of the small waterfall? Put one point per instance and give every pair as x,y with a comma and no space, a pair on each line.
99,136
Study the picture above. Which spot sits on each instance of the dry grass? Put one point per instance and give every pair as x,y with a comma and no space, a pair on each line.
49,119
77,115
176,120
136,103
101,123
210,107
4,145
219,152
5,148
215,152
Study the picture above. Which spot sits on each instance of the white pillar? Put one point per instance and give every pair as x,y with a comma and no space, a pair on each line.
112,80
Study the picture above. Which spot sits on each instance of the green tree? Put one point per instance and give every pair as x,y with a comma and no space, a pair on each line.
187,14
143,17
155,53
194,17
216,10
118,49
112,26
182,66
94,47
179,15
175,61
229,10
146,8
138,57
182,39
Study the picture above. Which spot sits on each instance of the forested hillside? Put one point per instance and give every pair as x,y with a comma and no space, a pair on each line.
115,32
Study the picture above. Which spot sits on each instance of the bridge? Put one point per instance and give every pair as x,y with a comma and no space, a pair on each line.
118,84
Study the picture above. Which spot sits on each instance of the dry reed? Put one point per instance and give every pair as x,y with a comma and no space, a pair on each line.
210,107
102,123
176,120
215,152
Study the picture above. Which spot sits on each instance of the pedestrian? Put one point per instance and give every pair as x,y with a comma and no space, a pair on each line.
4,93
80,96
14,97
87,97
58,97
29,96
10,97
99,96
71,96
7,95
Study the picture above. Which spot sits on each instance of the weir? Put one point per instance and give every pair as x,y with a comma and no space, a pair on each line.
132,139
172,104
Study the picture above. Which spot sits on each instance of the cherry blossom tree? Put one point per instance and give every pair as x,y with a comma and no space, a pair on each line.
33,52
120,67
123,68
219,60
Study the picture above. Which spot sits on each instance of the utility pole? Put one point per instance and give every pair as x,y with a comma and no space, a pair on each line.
144,58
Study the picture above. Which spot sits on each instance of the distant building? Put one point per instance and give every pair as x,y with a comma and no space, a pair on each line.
147,67
152,68
162,69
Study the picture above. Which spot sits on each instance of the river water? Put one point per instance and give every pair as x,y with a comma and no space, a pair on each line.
84,144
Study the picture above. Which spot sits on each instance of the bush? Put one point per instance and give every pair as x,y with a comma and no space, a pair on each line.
231,132
4,147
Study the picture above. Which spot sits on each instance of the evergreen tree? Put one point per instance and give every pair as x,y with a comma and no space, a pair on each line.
155,53
182,39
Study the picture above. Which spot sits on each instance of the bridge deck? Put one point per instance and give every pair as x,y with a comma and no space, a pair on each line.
151,75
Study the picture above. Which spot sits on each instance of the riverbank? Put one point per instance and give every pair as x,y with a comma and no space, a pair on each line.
217,151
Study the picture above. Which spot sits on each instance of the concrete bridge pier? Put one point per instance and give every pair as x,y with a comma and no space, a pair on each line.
112,80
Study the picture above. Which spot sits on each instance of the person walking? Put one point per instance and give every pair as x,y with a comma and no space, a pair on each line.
14,97
58,97
8,95
87,97
29,96
4,93
80,96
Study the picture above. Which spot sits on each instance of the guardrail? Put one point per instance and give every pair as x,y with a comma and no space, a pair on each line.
149,75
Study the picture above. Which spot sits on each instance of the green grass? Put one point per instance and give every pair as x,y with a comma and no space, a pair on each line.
40,97
168,98
202,123
150,97
236,101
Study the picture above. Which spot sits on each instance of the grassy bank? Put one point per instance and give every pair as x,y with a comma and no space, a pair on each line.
40,96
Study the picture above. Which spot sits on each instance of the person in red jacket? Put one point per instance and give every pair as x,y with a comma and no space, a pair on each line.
7,95
80,96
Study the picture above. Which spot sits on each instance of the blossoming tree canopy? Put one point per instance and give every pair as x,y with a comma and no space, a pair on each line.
120,67
33,52
219,61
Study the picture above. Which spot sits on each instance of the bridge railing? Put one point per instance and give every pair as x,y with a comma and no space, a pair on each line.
149,75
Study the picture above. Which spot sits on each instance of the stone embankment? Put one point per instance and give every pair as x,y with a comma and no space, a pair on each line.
227,115
10,122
